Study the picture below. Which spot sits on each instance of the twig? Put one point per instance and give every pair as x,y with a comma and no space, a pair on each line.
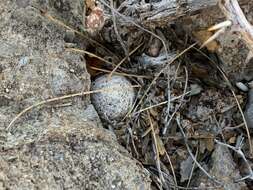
234,13
193,167
90,54
124,59
181,101
191,154
118,73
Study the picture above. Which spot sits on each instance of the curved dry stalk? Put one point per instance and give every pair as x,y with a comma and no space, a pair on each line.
89,54
172,169
234,13
124,59
57,99
121,74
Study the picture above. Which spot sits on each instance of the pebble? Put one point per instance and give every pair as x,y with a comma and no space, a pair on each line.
117,99
242,86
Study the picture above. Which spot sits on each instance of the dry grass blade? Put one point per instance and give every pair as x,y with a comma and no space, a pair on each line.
121,74
89,53
57,99
123,60
172,169
157,155
60,23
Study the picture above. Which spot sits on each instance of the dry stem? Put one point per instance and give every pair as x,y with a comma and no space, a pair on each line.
57,99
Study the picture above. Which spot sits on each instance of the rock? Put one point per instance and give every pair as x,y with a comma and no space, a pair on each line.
34,65
222,168
61,145
71,157
116,101
185,169
241,86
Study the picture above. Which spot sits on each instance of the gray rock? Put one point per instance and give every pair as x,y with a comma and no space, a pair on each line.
116,100
222,168
34,65
71,157
60,145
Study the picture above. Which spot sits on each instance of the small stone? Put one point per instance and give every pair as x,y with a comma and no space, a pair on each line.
242,86
195,89
117,99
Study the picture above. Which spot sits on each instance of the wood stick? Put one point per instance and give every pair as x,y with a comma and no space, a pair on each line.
240,24
160,13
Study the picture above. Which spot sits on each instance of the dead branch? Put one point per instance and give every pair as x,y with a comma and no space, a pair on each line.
160,13
240,24
191,154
